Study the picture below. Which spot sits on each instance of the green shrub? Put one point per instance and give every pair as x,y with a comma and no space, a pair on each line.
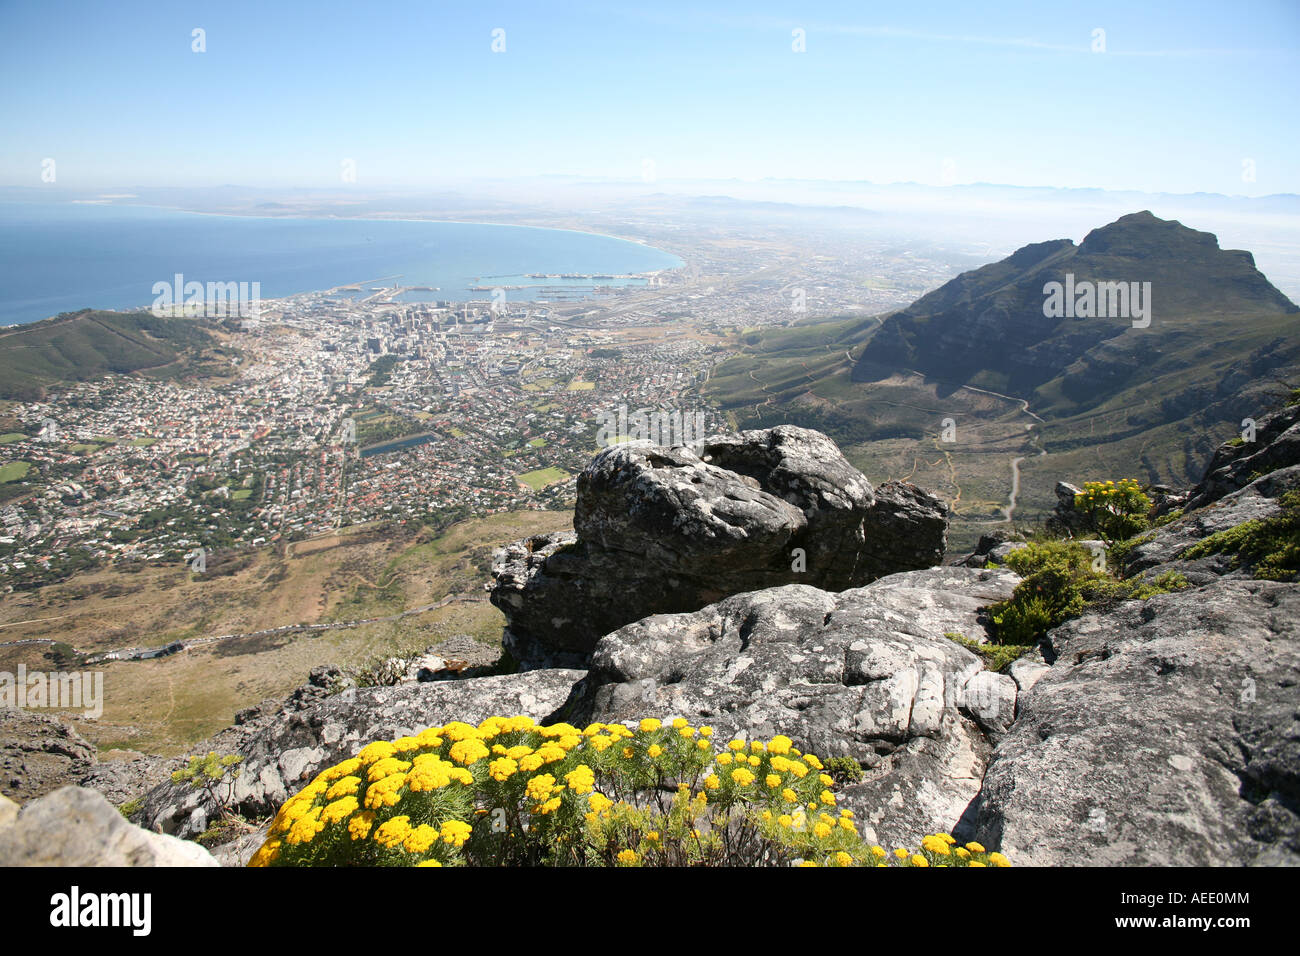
1058,581
844,770
997,657
1113,511
508,792
1167,518
214,774
1120,550
1161,584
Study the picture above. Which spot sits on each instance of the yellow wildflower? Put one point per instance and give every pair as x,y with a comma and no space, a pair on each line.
420,839
742,777
340,810
455,833
468,751
359,826
343,788
375,751
393,833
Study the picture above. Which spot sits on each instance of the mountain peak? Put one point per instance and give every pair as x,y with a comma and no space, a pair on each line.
1142,235
992,326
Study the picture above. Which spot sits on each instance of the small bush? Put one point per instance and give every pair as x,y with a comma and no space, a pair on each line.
1161,584
1119,551
1167,518
844,770
1114,511
508,792
997,657
1059,581
214,774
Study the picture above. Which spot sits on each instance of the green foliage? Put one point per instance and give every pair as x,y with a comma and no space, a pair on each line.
213,773
131,807
996,657
1059,579
64,655
1161,584
1114,511
1119,551
844,770
85,345
1167,518
1270,545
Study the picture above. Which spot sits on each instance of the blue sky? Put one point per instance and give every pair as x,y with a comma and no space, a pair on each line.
412,92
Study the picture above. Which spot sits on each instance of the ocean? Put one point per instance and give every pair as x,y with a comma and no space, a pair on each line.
60,257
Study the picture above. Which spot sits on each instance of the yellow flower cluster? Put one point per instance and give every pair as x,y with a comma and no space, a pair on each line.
416,801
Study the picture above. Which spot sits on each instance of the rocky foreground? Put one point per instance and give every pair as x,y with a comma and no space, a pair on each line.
764,586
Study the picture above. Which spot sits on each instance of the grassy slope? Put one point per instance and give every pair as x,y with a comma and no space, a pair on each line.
85,345
165,705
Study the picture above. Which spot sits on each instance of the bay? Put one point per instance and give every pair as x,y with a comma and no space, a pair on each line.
60,257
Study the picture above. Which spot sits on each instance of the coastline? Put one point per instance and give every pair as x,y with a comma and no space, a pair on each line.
332,283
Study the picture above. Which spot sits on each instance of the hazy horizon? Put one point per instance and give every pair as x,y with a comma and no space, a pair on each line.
409,96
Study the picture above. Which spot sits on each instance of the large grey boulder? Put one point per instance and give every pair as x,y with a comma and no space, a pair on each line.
1164,734
664,530
864,673
284,748
78,827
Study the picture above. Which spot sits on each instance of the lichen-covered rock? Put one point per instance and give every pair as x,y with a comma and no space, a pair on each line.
1166,548
1064,519
78,827
39,753
864,673
664,530
284,749
1237,463
1164,733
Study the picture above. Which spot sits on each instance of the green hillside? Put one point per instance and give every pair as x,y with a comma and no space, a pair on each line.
79,346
